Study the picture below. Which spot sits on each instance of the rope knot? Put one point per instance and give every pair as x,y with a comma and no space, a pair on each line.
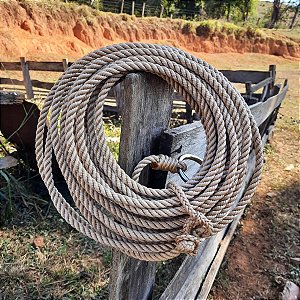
197,223
158,162
187,243
167,163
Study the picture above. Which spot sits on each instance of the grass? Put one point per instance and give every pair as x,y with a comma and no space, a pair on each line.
210,27
41,256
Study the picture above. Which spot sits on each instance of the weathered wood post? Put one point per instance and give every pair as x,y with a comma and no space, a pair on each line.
248,85
132,8
272,69
188,113
26,78
146,113
65,63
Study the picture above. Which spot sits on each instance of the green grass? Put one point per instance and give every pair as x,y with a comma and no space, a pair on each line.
210,27
65,263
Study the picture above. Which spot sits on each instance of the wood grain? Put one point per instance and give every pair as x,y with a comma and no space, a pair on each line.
146,113
26,78
191,139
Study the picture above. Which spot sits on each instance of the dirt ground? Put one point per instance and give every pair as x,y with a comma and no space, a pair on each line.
264,253
28,27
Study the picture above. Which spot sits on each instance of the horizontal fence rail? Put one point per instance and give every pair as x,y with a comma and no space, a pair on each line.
253,81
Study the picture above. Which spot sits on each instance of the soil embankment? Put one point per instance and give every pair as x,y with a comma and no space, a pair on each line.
50,31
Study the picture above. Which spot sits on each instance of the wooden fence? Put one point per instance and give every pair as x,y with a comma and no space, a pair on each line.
134,279
253,81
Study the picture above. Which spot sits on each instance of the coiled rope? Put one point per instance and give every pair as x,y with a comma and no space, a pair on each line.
111,207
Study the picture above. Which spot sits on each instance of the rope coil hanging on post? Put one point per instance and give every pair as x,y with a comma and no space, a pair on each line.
112,208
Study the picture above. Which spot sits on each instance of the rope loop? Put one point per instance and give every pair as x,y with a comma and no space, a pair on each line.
116,210
158,162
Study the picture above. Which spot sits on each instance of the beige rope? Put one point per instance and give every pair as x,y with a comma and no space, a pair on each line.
111,207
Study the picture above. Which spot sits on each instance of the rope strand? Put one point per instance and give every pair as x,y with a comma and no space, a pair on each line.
116,210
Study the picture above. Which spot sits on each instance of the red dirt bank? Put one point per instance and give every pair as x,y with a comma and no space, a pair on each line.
50,31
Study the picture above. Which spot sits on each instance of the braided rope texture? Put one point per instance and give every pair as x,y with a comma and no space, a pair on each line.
111,207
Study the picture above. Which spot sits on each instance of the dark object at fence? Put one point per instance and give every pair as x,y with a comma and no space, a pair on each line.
18,122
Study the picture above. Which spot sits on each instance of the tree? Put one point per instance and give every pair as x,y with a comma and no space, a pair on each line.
218,9
246,7
275,13
296,12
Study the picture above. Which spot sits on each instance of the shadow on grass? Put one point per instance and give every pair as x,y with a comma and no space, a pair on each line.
261,258
41,256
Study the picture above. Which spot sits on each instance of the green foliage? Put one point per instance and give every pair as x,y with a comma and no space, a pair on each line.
231,9
188,27
210,27
15,190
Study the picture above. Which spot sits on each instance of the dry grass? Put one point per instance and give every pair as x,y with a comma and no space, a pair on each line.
41,256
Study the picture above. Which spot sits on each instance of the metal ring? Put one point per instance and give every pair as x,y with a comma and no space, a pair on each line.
189,157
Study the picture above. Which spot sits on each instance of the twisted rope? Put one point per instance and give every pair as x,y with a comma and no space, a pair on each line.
111,207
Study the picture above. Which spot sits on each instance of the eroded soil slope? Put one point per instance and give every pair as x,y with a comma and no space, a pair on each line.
55,30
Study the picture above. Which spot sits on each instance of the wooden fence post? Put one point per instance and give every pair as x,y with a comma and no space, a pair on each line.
248,85
132,8
146,113
143,9
122,7
65,63
272,69
26,78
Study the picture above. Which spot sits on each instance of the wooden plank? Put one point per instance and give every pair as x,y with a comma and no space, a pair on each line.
192,271
188,279
191,139
34,83
45,66
215,265
261,84
145,115
143,9
262,110
11,81
65,63
42,84
10,66
242,76
213,270
272,70
11,97
26,78
248,87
